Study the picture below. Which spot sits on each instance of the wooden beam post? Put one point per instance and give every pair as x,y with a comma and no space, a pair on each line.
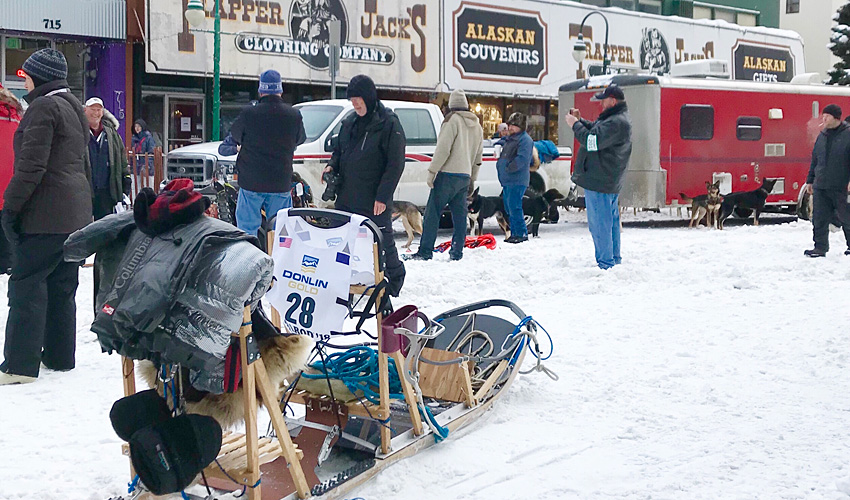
250,404
270,394
409,395
383,364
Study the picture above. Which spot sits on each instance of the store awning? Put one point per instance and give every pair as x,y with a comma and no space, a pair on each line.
88,18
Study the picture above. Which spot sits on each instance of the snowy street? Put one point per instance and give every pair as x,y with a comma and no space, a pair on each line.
710,364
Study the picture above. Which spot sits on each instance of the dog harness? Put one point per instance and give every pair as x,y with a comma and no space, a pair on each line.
313,270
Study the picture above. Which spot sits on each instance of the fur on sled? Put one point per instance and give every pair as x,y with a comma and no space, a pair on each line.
283,356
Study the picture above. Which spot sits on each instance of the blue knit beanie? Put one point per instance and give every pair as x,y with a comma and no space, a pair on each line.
270,82
46,65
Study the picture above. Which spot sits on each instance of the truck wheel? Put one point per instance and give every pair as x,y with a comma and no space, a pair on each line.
743,213
804,206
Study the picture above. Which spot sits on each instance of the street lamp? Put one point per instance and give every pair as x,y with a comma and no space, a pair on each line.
196,16
580,49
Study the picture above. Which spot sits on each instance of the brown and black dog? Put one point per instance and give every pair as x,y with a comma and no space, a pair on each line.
703,205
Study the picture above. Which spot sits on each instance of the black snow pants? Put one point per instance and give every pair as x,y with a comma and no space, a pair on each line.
42,323
829,205
394,268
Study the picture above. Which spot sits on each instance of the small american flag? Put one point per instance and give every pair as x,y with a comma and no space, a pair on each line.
363,233
285,242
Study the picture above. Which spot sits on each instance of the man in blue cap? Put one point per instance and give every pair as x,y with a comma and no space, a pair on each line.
268,133
601,162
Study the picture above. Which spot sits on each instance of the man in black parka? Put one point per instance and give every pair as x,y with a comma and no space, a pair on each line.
369,158
48,198
827,182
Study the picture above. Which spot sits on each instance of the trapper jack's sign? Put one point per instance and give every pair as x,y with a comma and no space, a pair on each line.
499,44
305,34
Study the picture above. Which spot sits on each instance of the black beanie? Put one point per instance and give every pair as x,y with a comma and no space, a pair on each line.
46,65
834,110
362,86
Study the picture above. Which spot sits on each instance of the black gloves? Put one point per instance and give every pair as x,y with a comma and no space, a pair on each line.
126,185
10,221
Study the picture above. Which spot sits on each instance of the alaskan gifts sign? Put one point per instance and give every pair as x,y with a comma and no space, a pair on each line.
396,42
763,62
499,44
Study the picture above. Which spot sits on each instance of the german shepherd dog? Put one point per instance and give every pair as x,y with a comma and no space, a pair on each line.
703,205
410,217
745,200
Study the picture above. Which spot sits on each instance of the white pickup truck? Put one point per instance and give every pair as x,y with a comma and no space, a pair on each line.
322,121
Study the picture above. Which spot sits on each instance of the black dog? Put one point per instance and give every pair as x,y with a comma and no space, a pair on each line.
553,197
483,207
745,200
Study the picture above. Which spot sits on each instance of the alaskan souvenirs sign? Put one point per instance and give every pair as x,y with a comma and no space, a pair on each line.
481,57
500,44
393,41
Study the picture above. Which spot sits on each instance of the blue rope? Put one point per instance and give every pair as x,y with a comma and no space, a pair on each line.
184,495
524,342
442,432
131,486
357,368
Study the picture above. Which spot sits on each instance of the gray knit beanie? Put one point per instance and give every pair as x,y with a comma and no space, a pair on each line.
457,101
46,65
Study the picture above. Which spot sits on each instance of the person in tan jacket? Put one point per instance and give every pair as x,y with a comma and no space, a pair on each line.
452,174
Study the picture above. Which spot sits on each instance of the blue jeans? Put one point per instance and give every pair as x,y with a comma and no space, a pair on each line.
449,189
512,197
249,204
603,220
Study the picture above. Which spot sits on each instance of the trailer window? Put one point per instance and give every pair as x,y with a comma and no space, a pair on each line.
749,128
696,122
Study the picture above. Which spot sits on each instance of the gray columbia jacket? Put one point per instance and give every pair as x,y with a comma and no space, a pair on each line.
176,297
606,146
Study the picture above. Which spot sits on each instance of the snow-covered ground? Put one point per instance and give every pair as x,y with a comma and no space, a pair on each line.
711,364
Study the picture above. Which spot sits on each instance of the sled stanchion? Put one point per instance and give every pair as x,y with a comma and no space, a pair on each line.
289,451
249,401
409,396
128,376
383,364
269,248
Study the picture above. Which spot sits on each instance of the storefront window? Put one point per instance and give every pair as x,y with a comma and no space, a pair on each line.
536,113
490,115
17,51
553,121
75,54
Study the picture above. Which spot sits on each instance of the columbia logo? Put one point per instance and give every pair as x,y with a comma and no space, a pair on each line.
108,309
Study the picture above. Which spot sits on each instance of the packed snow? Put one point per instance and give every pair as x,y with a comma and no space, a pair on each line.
710,364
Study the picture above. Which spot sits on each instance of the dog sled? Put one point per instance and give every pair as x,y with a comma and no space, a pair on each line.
368,399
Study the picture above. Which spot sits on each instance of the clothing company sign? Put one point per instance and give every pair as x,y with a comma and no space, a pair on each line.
308,24
258,34
504,44
762,62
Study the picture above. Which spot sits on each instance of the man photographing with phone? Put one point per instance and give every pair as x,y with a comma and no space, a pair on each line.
601,162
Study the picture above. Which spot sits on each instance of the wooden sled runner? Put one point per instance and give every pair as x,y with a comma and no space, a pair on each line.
433,377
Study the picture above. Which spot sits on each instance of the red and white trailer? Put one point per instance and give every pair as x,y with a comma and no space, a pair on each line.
686,131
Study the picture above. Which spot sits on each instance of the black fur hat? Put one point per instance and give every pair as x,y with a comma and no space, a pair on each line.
362,86
518,120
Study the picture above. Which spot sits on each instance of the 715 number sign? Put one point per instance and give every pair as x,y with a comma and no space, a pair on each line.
52,24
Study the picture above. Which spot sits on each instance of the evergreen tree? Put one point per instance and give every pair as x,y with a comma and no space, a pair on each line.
839,44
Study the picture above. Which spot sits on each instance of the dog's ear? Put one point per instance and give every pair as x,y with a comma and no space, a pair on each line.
475,193
707,184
